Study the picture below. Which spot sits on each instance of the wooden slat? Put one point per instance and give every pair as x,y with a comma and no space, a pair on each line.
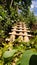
21,30
20,34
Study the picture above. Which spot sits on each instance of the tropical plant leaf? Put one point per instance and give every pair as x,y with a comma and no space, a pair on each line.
26,58
9,54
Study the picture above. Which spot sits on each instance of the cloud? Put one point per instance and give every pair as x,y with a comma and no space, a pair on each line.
34,6
34,3
35,14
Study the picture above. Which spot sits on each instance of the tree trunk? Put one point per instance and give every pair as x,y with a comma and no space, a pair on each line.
11,3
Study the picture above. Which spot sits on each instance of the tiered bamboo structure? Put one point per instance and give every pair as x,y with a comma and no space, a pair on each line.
19,30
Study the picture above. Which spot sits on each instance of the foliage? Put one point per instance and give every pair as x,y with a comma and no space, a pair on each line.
8,55
5,22
2,35
18,47
30,20
25,60
3,12
9,14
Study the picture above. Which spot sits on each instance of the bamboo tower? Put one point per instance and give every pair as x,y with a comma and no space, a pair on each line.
19,31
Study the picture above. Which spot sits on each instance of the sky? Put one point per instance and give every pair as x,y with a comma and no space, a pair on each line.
34,7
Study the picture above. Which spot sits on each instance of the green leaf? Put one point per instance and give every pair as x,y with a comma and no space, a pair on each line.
26,57
9,54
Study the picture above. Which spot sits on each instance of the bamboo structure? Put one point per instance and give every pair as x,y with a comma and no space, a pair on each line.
19,30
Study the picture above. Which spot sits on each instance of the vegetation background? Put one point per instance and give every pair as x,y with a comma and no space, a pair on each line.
12,11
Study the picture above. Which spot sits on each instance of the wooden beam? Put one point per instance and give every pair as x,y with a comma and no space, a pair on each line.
20,34
21,30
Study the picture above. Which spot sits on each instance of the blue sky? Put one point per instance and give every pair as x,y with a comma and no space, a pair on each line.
34,7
